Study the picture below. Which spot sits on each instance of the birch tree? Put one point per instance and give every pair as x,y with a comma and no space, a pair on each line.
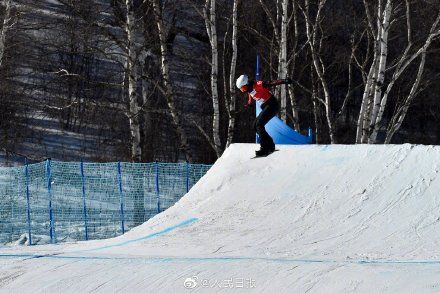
291,63
383,32
134,107
133,76
209,14
402,110
376,73
399,115
282,59
374,100
319,67
116,37
279,24
169,90
5,26
314,99
286,12
120,32
232,104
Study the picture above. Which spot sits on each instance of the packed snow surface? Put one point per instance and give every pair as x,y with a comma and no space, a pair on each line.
315,218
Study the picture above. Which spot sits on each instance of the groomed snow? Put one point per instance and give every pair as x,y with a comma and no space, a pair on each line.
363,218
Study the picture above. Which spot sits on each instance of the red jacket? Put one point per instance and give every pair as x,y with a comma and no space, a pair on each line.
259,90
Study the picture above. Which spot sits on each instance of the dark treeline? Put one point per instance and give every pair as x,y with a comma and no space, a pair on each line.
108,80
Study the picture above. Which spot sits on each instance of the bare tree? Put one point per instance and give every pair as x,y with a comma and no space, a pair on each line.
374,99
315,102
376,73
232,104
169,91
282,59
133,76
280,23
5,27
292,67
319,67
399,115
209,14
383,32
118,39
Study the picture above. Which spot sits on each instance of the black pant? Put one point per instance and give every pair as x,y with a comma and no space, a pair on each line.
268,110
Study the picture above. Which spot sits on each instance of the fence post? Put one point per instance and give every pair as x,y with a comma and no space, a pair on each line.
121,197
26,171
156,169
49,191
187,177
83,179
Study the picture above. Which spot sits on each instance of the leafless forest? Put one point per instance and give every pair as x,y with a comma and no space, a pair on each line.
107,80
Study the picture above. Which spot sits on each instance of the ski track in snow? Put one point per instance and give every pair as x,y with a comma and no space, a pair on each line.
305,219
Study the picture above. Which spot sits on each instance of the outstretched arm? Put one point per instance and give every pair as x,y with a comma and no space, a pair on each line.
273,83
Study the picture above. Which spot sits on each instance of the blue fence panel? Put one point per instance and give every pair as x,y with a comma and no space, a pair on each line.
197,171
39,207
13,208
103,200
67,201
138,187
6,192
172,183
80,201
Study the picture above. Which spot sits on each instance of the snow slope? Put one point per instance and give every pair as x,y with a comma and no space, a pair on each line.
362,218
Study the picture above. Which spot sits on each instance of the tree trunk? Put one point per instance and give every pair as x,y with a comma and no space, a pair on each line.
136,152
211,28
383,54
282,60
293,104
311,37
315,107
373,82
291,66
232,104
4,30
169,94
364,113
403,63
363,110
397,120
134,113
147,152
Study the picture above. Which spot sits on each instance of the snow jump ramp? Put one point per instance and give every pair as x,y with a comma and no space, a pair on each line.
309,218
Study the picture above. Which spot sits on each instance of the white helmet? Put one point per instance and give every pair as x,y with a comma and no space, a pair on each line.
241,81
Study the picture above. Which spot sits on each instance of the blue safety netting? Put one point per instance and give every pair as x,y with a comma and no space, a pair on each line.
53,201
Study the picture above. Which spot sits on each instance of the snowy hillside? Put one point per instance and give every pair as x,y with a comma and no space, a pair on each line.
339,218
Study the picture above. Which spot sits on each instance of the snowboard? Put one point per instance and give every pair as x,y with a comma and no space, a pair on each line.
256,157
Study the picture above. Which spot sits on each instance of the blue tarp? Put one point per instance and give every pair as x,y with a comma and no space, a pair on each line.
282,133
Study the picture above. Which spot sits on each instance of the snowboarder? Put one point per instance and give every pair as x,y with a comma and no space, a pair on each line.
259,91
